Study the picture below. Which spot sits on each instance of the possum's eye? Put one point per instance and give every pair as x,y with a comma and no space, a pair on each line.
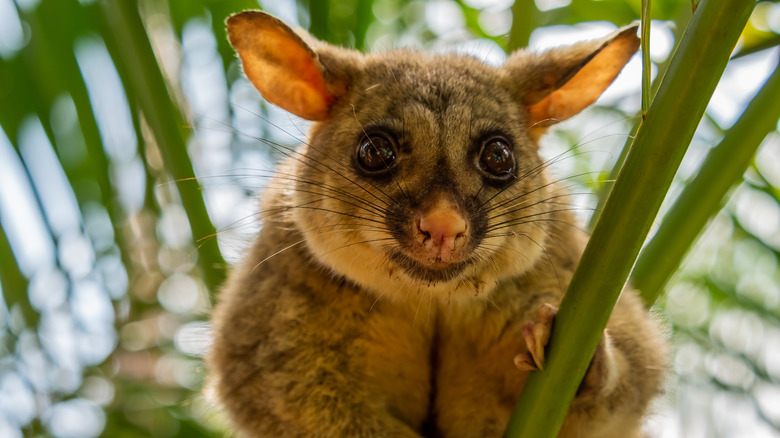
376,152
496,158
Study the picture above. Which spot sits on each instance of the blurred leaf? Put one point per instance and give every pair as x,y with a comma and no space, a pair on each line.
364,16
181,11
769,41
525,18
14,284
167,125
472,22
319,18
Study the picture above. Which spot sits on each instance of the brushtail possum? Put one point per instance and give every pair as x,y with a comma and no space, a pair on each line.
414,248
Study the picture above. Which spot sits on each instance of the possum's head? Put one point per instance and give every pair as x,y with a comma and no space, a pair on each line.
422,171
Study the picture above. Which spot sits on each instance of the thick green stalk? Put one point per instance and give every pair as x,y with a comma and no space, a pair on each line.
703,196
166,123
628,214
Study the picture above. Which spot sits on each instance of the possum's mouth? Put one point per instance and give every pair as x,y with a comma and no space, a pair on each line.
433,272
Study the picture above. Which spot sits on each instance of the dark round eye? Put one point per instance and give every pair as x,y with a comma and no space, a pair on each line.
376,153
497,159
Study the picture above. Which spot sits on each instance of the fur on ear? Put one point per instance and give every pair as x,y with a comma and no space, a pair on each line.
284,68
561,82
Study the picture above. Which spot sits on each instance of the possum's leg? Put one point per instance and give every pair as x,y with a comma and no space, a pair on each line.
477,383
308,356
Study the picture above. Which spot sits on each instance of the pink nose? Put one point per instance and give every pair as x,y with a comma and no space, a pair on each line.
439,229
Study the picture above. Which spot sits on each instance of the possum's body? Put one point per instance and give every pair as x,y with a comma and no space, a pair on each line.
407,246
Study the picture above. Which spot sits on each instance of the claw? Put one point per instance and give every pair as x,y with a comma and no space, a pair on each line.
529,334
536,335
524,362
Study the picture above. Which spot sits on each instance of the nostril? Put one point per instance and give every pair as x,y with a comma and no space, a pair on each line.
442,225
422,234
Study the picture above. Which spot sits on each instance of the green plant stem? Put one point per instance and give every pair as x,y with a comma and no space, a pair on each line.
166,124
646,65
628,214
703,196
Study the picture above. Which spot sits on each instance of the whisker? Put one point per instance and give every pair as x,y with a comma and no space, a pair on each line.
276,253
491,234
375,301
547,200
552,183
339,248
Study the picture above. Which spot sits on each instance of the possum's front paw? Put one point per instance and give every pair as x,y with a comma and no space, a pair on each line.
537,333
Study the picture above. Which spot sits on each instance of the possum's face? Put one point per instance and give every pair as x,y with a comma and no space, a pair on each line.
423,171
433,180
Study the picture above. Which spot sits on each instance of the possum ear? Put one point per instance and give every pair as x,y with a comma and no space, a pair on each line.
561,82
284,68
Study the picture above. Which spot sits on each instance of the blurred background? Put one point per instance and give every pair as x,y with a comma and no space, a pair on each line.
132,152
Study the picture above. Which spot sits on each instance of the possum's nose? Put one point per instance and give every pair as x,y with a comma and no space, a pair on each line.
441,230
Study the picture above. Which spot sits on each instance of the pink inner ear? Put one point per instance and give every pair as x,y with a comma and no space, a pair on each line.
586,86
281,66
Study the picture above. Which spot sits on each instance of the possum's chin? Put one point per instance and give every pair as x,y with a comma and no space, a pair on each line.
432,272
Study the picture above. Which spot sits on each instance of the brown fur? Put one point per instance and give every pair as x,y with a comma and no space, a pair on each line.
320,332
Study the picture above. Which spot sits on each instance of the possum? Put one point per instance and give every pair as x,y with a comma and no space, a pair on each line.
414,249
